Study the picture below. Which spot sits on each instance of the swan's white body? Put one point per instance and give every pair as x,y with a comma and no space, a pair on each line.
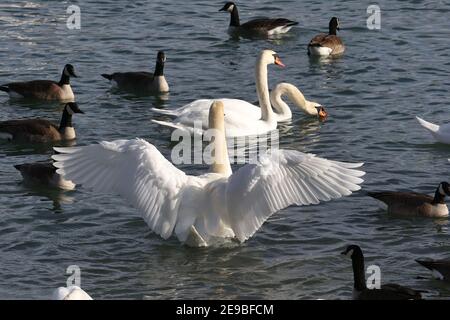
440,133
70,293
243,118
218,204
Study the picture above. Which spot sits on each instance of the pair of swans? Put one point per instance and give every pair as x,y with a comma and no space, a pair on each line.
243,118
219,204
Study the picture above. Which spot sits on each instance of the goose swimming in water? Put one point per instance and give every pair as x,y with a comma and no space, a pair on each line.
415,204
262,26
43,173
440,268
41,130
218,204
327,44
389,291
44,89
141,81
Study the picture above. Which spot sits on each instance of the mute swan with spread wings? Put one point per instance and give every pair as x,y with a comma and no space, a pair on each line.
217,204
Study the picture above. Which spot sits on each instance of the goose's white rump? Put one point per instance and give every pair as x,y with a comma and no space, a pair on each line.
200,208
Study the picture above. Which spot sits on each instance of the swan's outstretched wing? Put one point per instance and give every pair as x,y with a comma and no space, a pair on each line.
283,178
134,169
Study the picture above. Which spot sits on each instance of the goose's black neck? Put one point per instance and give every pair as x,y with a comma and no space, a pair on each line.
359,276
332,28
438,197
159,68
66,120
65,79
234,22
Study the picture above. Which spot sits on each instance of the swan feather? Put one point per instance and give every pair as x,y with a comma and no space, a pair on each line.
215,205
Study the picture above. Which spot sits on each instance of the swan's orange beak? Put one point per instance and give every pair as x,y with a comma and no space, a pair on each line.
278,62
322,114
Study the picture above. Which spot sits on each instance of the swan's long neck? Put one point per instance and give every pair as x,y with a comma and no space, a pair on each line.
221,161
281,108
294,95
262,89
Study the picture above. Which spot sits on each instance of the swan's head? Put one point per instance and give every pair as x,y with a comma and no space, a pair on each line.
216,115
229,6
270,57
316,109
321,112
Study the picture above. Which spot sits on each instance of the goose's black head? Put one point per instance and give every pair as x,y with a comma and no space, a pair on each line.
229,6
354,252
334,25
160,60
69,71
444,189
72,108
161,57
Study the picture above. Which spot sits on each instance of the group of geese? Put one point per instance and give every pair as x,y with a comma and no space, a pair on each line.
220,204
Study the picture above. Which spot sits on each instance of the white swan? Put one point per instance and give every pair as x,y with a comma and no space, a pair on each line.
218,204
440,133
70,293
243,118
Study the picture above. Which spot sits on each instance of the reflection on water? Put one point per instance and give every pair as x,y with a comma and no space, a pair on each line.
57,197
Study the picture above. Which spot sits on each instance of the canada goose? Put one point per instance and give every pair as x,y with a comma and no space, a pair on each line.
144,82
43,173
440,133
70,293
44,89
386,292
439,268
327,44
258,26
218,204
41,130
415,204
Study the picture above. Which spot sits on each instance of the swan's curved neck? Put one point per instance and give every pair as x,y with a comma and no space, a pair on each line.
262,89
221,161
294,95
